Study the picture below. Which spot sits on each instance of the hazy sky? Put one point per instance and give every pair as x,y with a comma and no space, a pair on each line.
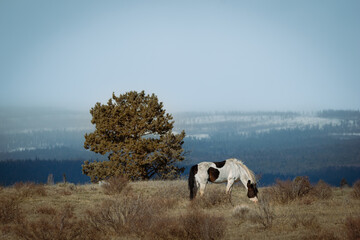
194,55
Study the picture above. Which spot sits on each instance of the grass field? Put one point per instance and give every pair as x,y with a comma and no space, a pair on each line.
162,210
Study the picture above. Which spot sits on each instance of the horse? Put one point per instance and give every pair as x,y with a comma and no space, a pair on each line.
230,171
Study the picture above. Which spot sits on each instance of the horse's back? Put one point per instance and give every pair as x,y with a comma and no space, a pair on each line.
216,172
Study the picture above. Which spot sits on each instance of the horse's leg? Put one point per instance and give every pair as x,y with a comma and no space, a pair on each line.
202,188
196,188
229,186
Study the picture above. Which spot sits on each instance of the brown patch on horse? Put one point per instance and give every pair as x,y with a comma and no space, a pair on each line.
252,190
191,180
213,174
195,169
220,164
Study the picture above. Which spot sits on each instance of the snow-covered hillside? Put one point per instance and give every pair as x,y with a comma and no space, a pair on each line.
43,128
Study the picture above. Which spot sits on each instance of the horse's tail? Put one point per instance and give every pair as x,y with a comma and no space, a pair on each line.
191,180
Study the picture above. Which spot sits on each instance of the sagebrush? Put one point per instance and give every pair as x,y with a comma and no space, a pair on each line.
162,210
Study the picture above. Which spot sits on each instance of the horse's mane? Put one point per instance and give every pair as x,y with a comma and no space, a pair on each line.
249,172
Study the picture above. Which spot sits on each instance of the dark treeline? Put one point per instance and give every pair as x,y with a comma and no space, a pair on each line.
38,171
331,175
279,152
340,114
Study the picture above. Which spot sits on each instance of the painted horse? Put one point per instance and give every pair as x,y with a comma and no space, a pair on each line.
230,171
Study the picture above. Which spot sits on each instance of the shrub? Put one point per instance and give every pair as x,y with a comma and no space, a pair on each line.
165,227
263,215
194,224
282,192
286,191
352,227
198,225
62,225
356,189
126,215
241,212
140,217
9,209
343,183
322,190
115,185
301,186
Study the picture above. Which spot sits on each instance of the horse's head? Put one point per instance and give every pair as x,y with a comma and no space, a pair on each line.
252,191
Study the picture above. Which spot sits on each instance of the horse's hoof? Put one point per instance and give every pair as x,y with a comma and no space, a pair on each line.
254,199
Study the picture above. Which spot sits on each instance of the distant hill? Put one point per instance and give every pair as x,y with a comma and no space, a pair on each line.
269,142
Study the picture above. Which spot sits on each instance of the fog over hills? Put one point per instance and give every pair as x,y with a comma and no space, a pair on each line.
30,129
245,123
21,120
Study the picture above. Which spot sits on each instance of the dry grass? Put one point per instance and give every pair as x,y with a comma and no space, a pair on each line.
162,210
57,225
29,189
146,217
261,214
352,227
214,197
10,209
356,190
125,215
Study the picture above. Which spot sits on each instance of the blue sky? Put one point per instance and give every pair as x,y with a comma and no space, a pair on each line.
194,55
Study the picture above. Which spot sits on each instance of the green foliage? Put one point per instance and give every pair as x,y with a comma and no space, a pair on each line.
135,133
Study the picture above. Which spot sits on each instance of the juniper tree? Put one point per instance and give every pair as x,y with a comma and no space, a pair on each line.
135,133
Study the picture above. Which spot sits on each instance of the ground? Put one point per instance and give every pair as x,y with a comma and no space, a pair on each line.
162,210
